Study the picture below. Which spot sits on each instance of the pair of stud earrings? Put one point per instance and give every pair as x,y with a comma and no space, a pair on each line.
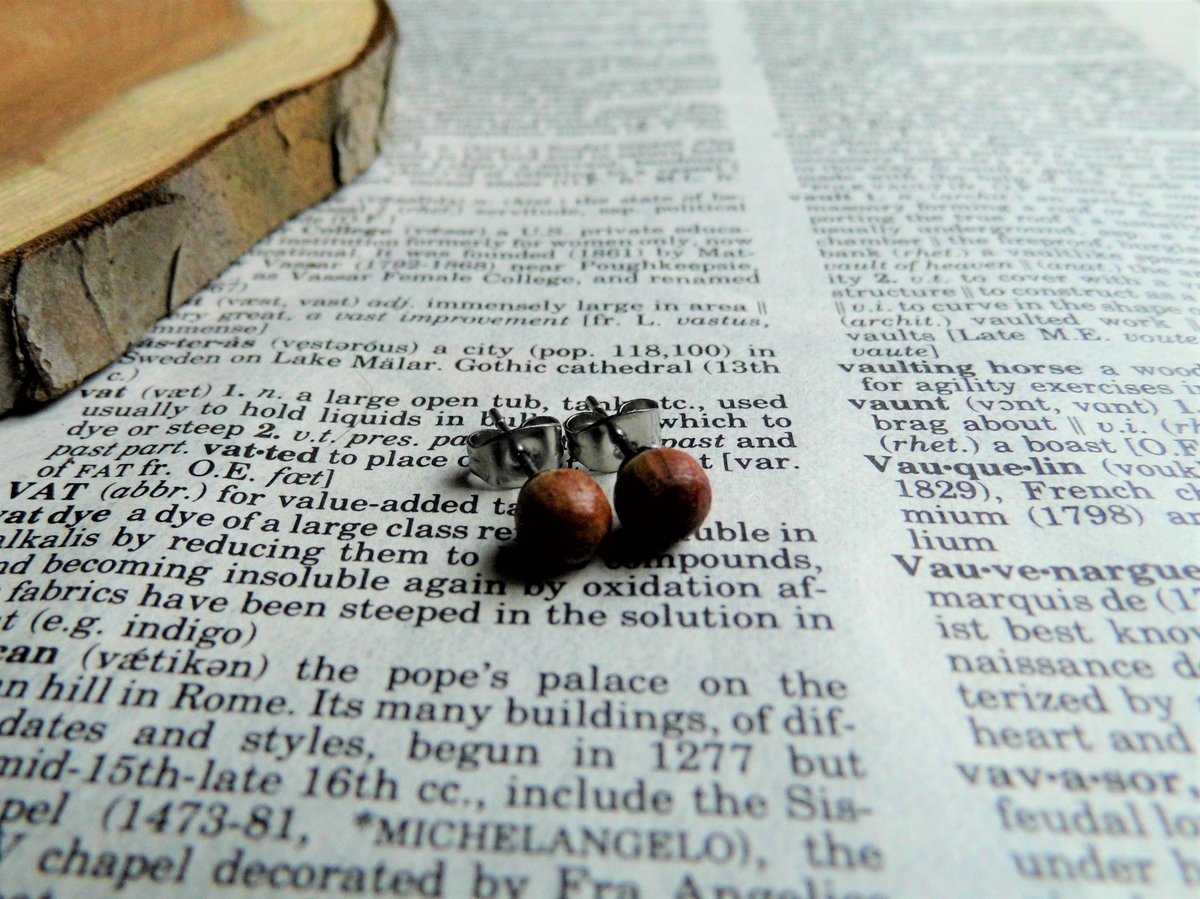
661,495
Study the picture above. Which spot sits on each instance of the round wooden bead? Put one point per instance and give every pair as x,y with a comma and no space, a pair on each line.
661,496
562,517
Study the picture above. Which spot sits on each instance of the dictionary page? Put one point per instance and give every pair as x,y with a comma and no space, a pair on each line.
916,284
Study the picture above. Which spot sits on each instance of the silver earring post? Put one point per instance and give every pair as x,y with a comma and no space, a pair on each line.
505,457
602,442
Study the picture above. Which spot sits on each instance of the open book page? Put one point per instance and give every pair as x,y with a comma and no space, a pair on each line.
917,286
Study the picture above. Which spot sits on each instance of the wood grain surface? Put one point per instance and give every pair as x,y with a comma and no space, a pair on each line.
149,143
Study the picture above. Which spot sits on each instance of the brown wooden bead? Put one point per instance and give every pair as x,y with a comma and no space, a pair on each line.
562,517
661,496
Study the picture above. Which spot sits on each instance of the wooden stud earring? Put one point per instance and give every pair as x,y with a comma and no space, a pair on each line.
662,494
562,514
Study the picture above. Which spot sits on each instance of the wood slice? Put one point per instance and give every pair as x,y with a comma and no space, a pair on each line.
147,144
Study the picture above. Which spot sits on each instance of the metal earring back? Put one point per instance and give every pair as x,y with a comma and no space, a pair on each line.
562,514
662,494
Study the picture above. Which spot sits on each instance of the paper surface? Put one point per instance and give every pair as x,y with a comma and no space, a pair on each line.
917,285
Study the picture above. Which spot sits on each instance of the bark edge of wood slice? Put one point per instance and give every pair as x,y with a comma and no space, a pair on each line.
91,257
